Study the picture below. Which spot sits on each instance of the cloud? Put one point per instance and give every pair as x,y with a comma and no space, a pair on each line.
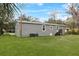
34,4
66,5
63,16
40,4
60,14
42,19
57,12
53,12
44,14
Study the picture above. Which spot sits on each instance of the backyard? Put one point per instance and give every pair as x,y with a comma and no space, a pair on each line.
66,45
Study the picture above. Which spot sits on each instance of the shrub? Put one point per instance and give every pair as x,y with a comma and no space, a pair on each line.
73,31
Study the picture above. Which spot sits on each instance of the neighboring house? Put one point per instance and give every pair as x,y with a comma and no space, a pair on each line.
25,28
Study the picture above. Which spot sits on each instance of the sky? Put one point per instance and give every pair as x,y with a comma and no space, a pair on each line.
43,11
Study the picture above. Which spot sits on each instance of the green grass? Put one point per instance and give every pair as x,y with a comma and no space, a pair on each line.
67,45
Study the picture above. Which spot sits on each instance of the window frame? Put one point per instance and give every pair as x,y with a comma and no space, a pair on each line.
44,27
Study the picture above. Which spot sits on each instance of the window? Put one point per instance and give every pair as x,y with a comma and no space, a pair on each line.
60,27
51,27
55,27
44,28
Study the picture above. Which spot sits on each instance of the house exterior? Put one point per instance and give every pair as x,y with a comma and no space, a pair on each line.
25,28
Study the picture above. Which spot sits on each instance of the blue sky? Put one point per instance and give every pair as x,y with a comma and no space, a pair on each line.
43,10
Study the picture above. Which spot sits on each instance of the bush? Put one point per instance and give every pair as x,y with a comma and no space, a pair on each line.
73,31
1,32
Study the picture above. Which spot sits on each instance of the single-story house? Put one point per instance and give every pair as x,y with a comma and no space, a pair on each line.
25,28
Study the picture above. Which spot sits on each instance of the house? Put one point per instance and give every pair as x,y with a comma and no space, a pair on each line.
25,28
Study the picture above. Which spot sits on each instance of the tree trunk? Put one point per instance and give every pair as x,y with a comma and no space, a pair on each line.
1,27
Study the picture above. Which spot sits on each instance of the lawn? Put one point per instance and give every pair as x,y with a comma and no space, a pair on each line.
66,45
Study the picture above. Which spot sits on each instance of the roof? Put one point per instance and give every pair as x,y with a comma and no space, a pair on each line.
40,23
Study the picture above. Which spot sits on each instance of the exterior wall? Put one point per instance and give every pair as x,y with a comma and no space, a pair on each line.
17,29
36,28
32,28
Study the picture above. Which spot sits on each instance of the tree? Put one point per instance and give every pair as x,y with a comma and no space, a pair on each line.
53,18
50,20
74,11
70,23
7,11
53,14
28,18
55,21
10,26
25,18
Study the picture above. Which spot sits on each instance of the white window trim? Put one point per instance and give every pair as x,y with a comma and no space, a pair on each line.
42,27
54,27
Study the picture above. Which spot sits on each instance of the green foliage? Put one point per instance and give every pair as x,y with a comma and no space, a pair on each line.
10,26
73,31
70,23
50,20
28,18
7,11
